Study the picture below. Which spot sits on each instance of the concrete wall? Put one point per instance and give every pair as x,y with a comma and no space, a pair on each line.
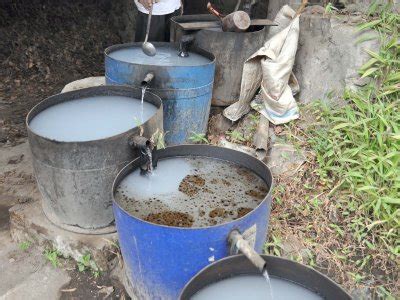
328,57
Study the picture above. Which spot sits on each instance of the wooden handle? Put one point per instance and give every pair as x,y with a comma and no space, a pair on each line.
213,11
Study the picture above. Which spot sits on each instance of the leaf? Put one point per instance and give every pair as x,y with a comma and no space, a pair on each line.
368,64
369,24
369,72
375,55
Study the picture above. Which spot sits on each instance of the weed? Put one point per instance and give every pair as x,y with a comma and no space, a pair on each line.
330,8
158,139
199,138
87,263
52,256
24,245
236,136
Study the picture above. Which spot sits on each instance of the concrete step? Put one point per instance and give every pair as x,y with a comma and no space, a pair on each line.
26,274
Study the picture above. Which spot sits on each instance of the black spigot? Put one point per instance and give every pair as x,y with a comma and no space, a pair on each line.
186,40
145,146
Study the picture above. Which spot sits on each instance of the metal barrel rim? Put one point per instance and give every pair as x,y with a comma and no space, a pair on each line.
107,90
277,267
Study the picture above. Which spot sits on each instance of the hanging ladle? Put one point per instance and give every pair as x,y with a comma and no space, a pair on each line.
148,48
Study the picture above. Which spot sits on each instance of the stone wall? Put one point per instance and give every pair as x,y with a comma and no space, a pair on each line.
328,56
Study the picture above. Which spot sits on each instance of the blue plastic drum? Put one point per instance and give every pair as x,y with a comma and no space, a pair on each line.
160,259
183,83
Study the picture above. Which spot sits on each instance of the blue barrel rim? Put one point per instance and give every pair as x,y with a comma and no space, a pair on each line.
134,164
106,90
192,48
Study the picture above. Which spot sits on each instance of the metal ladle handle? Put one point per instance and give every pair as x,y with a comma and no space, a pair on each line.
148,24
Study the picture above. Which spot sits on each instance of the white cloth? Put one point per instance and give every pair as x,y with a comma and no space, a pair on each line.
162,7
271,68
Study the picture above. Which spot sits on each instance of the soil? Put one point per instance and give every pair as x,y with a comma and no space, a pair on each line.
171,218
84,285
45,45
190,185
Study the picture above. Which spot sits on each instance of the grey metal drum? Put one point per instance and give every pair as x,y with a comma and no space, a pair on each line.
231,49
75,178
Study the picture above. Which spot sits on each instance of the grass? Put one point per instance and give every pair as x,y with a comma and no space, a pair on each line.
24,245
342,208
358,145
199,138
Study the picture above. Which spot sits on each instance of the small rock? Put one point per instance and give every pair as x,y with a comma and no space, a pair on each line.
315,9
284,159
226,144
16,159
3,136
361,293
219,124
247,125
11,260
84,83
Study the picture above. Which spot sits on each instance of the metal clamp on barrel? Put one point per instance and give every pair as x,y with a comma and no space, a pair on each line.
186,40
239,244
146,147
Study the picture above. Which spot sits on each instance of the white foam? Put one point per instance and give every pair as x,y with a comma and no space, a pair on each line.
91,118
221,185
165,56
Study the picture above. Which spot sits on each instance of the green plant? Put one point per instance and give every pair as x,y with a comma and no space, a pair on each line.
236,136
274,247
158,139
199,138
52,256
87,263
357,145
330,8
24,245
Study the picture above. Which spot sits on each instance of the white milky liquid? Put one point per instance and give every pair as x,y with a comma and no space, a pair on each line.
165,56
91,118
253,287
222,190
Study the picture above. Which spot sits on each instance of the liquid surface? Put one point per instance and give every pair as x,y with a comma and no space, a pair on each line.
253,287
91,118
165,56
191,192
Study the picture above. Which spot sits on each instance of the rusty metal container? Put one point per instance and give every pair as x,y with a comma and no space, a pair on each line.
231,49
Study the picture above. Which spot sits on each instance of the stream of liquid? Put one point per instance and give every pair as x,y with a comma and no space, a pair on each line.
91,118
166,56
199,190
253,287
144,88
268,281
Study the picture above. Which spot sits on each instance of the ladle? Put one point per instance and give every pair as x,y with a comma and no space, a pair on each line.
148,48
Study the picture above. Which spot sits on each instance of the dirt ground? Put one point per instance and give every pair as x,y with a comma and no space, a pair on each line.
43,46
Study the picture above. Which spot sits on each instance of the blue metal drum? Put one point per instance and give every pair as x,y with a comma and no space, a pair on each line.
185,89
160,259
